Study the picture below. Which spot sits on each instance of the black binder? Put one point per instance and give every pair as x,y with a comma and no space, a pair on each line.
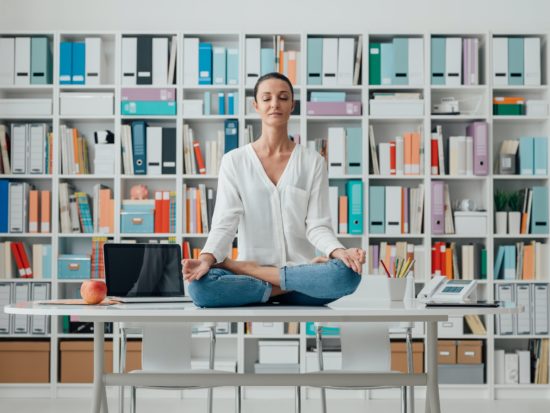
168,151
144,60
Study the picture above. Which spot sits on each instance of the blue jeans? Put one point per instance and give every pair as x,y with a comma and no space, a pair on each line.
307,284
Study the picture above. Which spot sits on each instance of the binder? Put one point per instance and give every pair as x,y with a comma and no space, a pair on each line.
374,64
220,65
93,60
333,204
221,103
7,57
205,63
539,210
499,366
232,66
336,152
524,369
343,214
191,61
129,60
39,323
33,211
144,62
377,210
168,151
330,61
515,60
416,61
267,61
41,61
453,61
4,205
540,162
21,322
393,210
526,155
19,148
354,143
437,59
231,128
22,60
523,319
505,322
37,148
509,262
5,298
139,145
346,61
540,308
470,62
438,208
354,190
531,61
231,103
160,61
479,132
45,207
154,150
78,63
400,61
500,61
253,63
511,367
314,60
207,103
386,63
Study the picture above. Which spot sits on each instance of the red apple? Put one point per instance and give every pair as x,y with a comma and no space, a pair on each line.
93,291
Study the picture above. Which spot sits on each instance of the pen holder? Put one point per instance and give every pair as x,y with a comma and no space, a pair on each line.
382,288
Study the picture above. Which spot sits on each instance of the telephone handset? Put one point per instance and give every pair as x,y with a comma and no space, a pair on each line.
441,289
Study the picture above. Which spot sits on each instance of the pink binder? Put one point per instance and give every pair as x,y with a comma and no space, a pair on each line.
135,93
479,132
438,207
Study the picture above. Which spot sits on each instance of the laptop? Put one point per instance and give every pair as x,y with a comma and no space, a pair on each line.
144,273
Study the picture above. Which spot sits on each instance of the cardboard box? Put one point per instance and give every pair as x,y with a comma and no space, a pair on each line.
77,361
446,352
399,357
469,352
25,361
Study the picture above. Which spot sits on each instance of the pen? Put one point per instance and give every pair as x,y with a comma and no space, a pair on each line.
385,268
410,267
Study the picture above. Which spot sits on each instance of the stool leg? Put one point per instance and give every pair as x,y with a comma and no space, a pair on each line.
209,403
324,399
298,405
238,400
133,399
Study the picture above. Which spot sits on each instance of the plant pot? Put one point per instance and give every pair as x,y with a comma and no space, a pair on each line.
514,222
501,219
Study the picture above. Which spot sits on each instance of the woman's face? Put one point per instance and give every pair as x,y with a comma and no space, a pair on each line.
274,102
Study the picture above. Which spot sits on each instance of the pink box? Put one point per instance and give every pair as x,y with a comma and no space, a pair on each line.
334,108
136,93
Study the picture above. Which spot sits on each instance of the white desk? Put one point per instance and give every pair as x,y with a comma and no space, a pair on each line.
381,312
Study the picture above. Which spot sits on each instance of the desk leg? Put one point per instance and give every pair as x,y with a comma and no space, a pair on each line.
100,397
432,391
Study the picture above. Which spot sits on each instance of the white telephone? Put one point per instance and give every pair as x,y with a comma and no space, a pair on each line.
442,290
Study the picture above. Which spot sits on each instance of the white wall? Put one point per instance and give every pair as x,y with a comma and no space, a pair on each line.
277,15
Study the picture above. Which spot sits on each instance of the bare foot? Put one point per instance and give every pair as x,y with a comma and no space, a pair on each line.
240,267
320,260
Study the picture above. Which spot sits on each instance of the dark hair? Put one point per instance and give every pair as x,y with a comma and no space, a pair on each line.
273,75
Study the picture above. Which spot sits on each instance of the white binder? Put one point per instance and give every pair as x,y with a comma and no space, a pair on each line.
37,146
500,61
523,319
160,61
511,367
18,195
499,367
330,61
540,308
21,322
93,60
345,61
416,61
19,148
399,156
531,61
129,60
5,296
524,366
191,61
22,60
393,210
7,57
384,158
333,204
336,152
154,150
39,323
453,61
505,322
253,63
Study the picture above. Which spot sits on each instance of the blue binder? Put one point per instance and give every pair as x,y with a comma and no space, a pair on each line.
230,103
377,209
4,205
354,138
386,63
79,63
232,66
231,128
267,61
539,210
354,190
314,60
438,60
220,71
221,103
205,64
41,61
510,262
498,262
139,147
540,166
401,61
526,149
515,61
66,63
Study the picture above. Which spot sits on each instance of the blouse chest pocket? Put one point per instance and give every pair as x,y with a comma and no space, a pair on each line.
294,210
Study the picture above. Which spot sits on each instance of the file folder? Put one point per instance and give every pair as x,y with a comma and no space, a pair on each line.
453,61
330,61
515,60
400,61
374,64
523,319
354,143
22,60
500,61
18,195
253,63
21,322
470,63
168,151
154,150
5,298
220,70
7,57
41,61
160,61
4,205
526,155
479,132
267,61
231,104
509,262
205,63
346,61
78,68
232,66
540,308
386,63
139,147
19,146
377,210
540,165
438,208
144,62
505,322
94,61
393,210
37,148
524,369
190,61
314,60
539,210
354,190
416,61
39,323
129,60
336,152
437,59
532,62
231,128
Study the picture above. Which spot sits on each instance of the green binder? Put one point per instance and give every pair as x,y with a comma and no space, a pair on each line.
375,77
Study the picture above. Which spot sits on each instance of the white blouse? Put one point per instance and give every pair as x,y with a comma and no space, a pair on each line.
278,224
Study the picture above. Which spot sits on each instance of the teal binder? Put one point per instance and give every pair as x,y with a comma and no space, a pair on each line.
540,166
438,60
314,60
41,61
539,210
526,149
219,63
148,107
354,190
354,138
377,209
400,61
515,61
267,61
327,97
498,262
386,65
374,64
232,66
510,262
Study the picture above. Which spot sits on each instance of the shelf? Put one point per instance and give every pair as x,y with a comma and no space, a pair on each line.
520,177
458,118
516,336
394,87
349,236
25,280
26,235
108,118
149,177
335,87
278,336
314,118
189,235
522,88
396,119
520,118
84,235
86,177
209,118
210,87
454,236
295,87
346,177
459,177
18,336
523,386
382,236
499,281
521,236
25,176
398,177
150,235
258,118
86,87
459,88
75,281
26,88
34,118
149,117
200,177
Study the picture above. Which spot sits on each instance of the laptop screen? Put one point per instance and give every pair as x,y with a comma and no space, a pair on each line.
143,270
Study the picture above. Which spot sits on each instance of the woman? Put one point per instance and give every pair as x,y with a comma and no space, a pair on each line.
276,193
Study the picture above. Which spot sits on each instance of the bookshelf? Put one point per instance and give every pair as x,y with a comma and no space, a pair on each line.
237,345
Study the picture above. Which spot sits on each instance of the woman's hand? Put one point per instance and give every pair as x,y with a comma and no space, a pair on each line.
354,258
195,269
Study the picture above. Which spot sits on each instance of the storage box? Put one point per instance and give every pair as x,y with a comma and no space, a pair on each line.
273,352
536,108
508,109
271,329
334,108
446,352
396,107
453,327
137,222
77,361
74,267
332,360
25,107
192,107
399,357
279,368
470,222
146,107
461,373
86,104
25,362
149,93
469,352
